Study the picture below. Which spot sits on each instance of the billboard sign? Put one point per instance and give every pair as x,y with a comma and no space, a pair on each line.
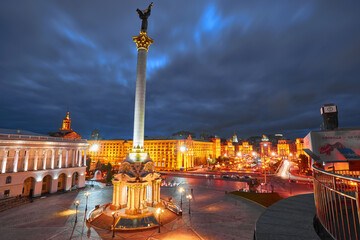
334,145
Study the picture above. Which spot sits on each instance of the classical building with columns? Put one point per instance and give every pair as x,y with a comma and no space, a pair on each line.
34,164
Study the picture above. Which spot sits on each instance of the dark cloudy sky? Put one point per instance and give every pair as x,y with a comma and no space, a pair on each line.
218,66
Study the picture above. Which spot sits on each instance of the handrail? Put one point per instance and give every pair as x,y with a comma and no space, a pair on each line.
337,175
337,201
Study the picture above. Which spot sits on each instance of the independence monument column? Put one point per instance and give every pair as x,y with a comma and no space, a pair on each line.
142,43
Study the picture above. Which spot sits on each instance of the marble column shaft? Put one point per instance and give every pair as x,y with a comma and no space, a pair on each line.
26,164
16,159
139,114
4,161
36,159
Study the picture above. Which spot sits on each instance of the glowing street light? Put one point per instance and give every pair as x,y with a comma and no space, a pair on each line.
273,154
94,147
76,203
87,194
182,148
254,154
158,212
181,190
189,197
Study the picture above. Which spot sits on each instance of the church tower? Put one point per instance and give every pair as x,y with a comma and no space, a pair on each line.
235,138
66,123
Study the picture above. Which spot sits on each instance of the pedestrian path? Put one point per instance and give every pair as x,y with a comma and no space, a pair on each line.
290,218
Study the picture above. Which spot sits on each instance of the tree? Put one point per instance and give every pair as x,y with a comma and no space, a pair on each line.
88,162
108,167
109,176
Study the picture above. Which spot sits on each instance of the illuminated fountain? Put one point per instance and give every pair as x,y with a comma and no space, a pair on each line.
98,176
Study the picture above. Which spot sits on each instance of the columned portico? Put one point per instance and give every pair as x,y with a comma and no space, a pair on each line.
34,164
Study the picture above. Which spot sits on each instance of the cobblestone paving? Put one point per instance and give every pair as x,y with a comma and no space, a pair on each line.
214,215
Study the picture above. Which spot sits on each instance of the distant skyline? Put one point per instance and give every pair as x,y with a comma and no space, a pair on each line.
256,68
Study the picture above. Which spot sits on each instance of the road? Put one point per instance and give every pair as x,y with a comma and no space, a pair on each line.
280,185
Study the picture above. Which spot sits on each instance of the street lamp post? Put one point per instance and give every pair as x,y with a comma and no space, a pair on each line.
114,215
159,211
189,197
181,190
76,203
87,194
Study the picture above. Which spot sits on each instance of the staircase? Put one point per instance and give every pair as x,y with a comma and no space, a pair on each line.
12,202
103,221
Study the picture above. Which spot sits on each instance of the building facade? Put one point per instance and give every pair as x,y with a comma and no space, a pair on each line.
166,153
299,147
286,149
32,164
245,149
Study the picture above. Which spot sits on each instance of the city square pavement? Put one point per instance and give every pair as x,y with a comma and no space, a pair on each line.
214,215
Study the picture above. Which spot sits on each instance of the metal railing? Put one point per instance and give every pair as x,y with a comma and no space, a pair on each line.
32,137
337,203
354,174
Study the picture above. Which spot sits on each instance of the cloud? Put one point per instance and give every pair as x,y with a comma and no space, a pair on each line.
219,66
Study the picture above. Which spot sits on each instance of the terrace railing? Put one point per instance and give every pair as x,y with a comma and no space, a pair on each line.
337,201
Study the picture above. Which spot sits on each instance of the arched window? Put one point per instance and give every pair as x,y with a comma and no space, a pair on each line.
8,180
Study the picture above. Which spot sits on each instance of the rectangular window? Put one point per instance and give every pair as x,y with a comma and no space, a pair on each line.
6,193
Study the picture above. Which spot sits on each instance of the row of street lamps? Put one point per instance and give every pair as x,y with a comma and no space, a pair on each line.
189,196
77,203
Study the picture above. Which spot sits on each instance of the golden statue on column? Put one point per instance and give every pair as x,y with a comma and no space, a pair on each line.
137,186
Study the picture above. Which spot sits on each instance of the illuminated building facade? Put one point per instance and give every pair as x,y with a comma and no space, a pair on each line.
33,164
245,148
286,149
265,147
228,149
216,147
166,153
107,151
299,147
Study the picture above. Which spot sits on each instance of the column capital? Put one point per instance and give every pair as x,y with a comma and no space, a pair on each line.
143,41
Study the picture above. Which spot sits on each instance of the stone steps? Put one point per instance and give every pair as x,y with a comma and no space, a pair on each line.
103,221
12,202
